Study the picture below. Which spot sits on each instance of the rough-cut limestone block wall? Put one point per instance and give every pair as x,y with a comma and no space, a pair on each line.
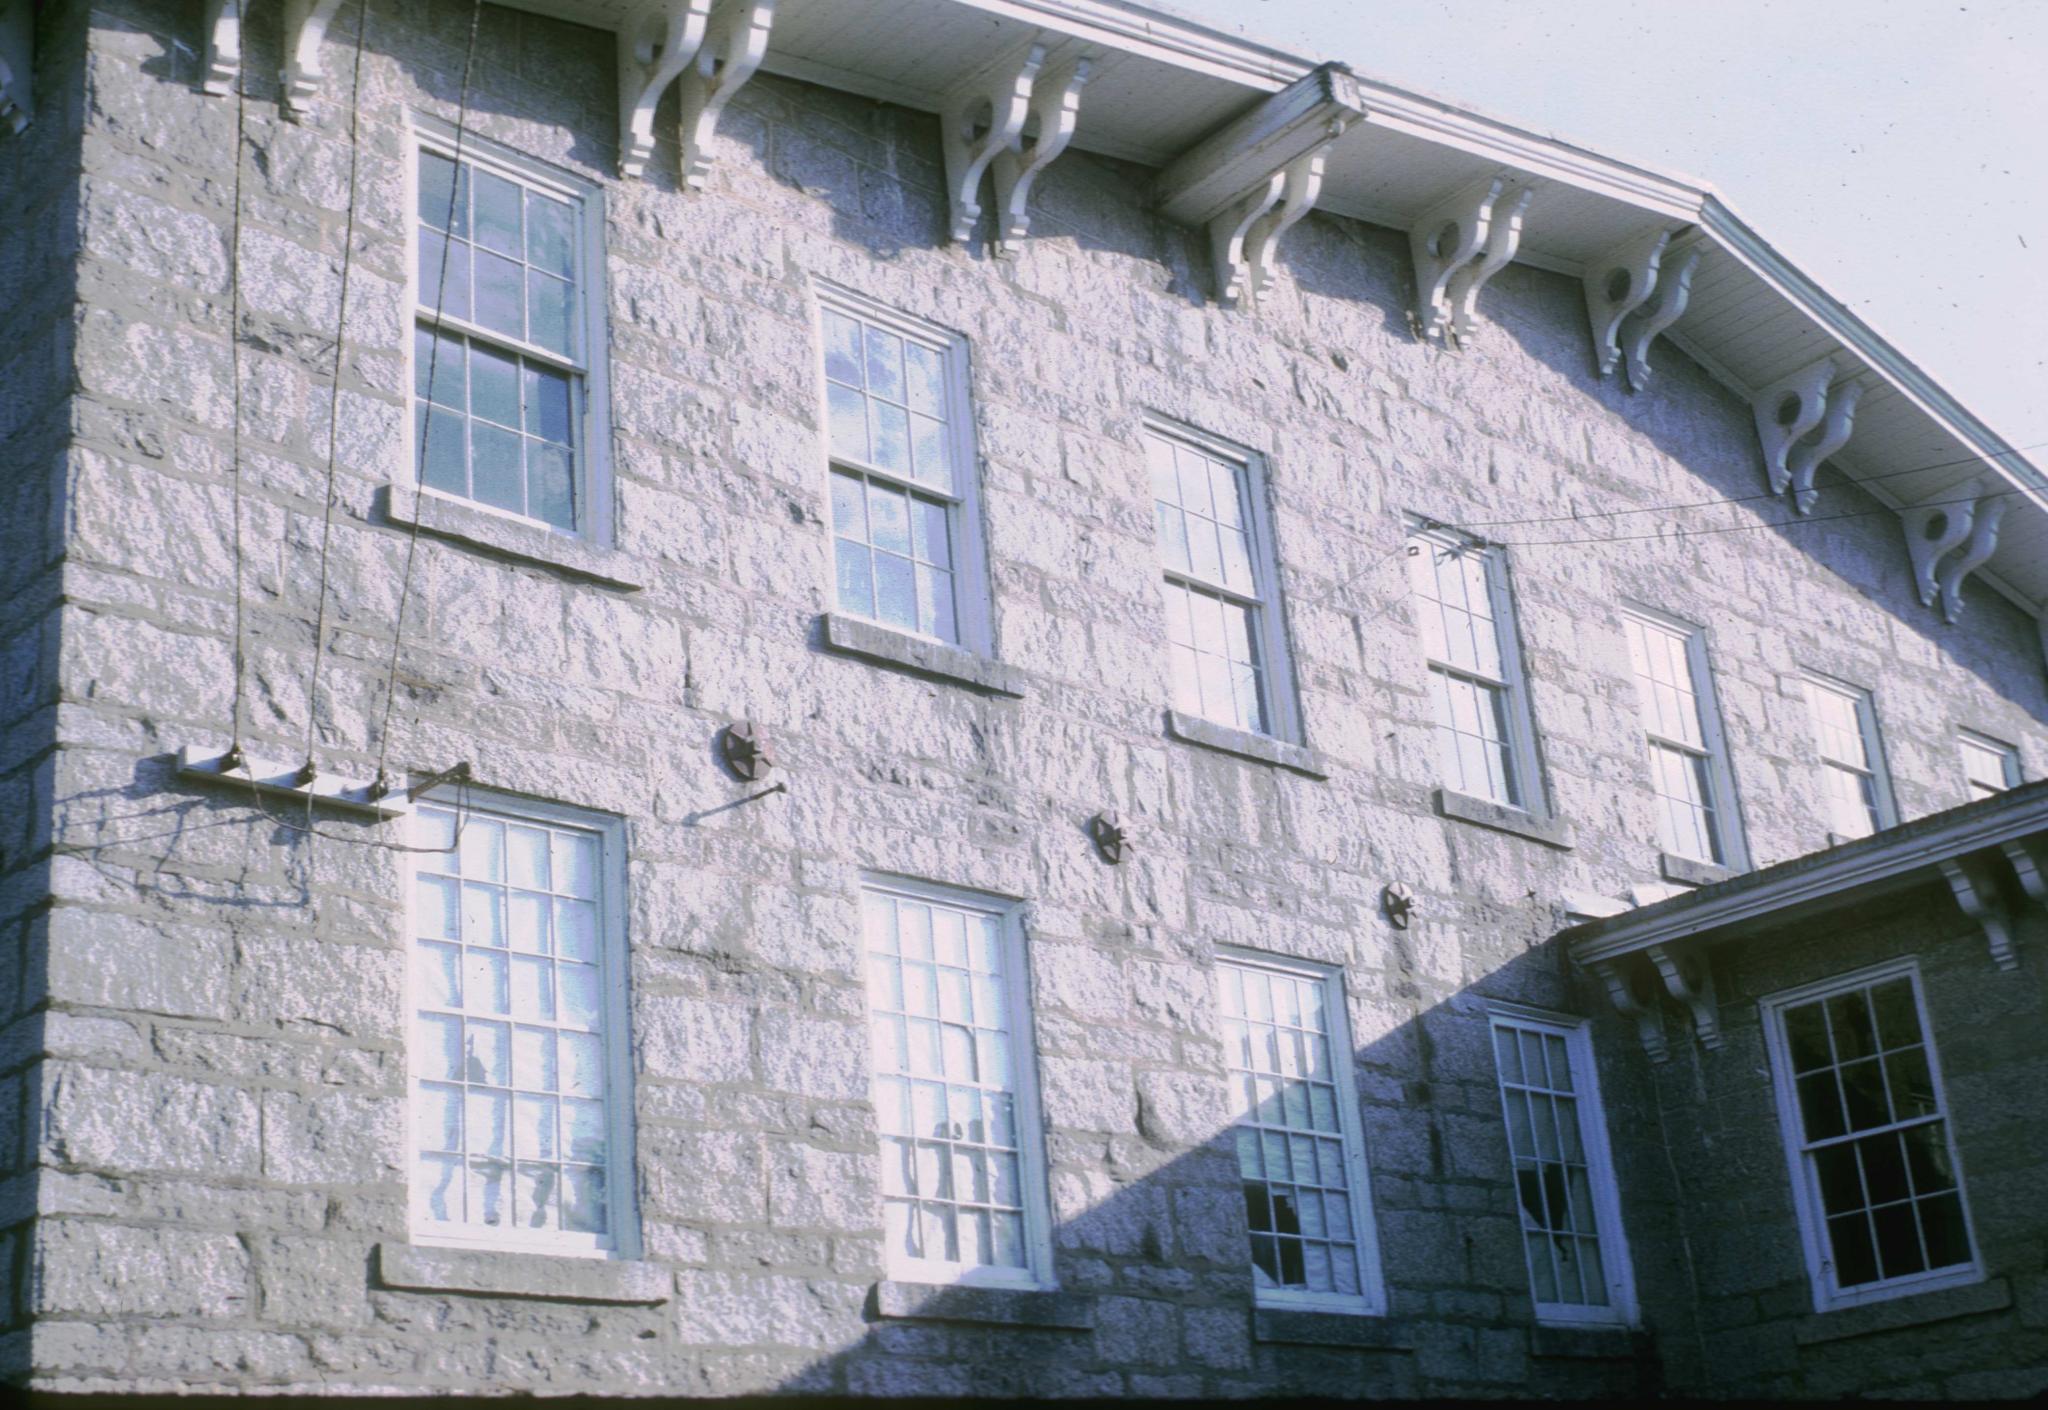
38,244
1756,1321
222,1090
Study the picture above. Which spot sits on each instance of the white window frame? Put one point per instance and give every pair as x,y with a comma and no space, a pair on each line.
1283,704
1037,1274
1875,767
1577,1034
1371,1300
2008,756
590,380
1805,1180
973,612
621,1166
1514,678
1727,812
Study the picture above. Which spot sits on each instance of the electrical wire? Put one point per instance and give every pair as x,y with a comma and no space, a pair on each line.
412,543
348,243
235,396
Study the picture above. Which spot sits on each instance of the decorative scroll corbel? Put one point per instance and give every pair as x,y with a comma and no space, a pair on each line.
1617,284
1449,236
1674,290
305,26
1631,1002
1933,529
1228,234
1690,982
1503,235
735,42
1254,245
17,64
223,46
1833,434
983,117
1976,891
1983,543
655,46
1048,128
2028,868
1786,411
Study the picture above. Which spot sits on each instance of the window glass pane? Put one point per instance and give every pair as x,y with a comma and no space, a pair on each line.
550,235
500,294
547,312
488,1091
953,1195
1555,1179
1291,1140
500,223
444,275
443,196
1887,1192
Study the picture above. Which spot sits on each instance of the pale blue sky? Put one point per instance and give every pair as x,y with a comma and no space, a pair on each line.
1895,150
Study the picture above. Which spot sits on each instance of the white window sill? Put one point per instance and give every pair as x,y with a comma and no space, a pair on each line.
1909,1307
505,1273
1260,748
850,636
511,538
1294,1326
1551,832
995,1306
1688,871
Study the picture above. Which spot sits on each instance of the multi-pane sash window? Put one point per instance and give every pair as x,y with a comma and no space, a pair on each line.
518,1092
1299,1155
1221,629
1989,766
902,471
961,1193
501,359
1565,1185
1859,796
1484,739
1688,761
1874,1165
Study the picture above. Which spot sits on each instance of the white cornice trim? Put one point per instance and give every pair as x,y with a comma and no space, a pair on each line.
1887,857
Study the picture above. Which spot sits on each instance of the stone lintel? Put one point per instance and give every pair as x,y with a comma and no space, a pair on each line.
1260,748
871,641
1007,1307
1298,1327
508,538
499,1273
1551,832
1992,1295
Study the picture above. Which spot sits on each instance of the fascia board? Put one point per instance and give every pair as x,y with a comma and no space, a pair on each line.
1858,865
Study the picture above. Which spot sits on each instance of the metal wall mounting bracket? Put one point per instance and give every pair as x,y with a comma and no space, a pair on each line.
1112,839
1397,903
273,779
744,748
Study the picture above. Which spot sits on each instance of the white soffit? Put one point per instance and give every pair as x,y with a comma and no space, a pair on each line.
1162,82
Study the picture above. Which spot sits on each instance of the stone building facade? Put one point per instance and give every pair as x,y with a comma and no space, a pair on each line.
226,1168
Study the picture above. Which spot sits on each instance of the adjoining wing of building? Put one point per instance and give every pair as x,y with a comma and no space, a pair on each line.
923,697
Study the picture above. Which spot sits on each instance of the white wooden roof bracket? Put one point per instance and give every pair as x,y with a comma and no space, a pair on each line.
1674,291
1833,434
1983,543
982,117
1935,528
1617,284
1258,175
1786,411
1447,237
2028,867
305,27
223,46
1055,110
1632,991
1975,887
1503,236
1691,982
17,64
735,42
1245,239
655,46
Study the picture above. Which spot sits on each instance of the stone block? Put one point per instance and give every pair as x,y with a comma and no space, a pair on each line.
82,1269
119,1121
